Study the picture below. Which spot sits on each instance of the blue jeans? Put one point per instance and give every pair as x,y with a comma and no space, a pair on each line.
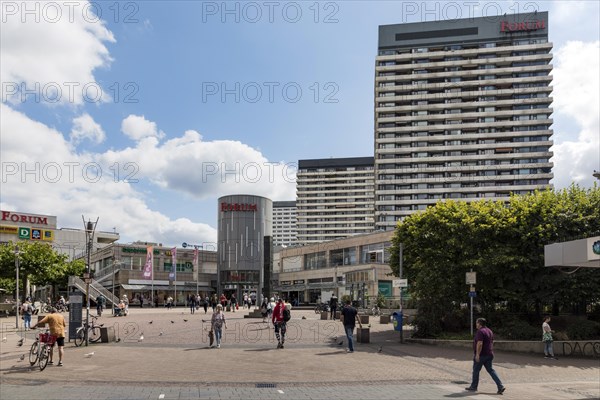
218,334
548,349
27,321
484,361
349,333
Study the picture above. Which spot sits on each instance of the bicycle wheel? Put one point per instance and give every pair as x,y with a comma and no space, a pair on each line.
79,337
44,356
33,353
94,334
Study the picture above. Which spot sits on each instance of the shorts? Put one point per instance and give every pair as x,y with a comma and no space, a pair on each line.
60,342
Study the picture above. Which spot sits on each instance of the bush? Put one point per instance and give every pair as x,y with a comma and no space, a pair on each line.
456,321
584,330
426,328
517,329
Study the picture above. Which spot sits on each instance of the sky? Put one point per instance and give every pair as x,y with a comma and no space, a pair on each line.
143,113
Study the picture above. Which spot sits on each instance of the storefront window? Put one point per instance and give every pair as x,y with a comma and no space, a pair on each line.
342,256
315,260
375,253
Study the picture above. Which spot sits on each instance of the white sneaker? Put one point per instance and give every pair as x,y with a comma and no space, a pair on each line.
218,346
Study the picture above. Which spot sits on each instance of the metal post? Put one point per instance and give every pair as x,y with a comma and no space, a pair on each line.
113,287
471,298
89,232
400,256
17,293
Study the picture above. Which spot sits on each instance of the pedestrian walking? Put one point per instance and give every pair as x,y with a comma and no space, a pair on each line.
206,304
217,323
333,303
279,322
125,301
26,312
233,302
483,349
169,302
192,304
223,300
349,318
263,309
548,339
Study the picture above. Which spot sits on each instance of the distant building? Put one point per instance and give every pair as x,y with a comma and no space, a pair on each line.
284,223
334,198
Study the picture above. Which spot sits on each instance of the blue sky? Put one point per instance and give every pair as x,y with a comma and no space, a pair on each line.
164,122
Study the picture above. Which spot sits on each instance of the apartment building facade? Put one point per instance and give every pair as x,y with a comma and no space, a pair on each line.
462,111
334,198
284,223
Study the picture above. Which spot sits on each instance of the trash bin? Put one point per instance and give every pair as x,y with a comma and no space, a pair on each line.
397,319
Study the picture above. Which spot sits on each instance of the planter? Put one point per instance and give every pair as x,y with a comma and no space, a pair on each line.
364,319
107,334
363,335
324,315
384,319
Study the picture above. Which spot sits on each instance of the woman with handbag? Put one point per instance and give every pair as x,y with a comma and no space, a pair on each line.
547,339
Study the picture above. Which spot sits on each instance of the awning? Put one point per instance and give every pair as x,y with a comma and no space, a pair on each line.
133,287
167,287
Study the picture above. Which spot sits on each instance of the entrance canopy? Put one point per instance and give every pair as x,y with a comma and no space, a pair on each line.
576,253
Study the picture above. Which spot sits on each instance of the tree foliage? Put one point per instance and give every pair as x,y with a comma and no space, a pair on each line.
39,264
504,244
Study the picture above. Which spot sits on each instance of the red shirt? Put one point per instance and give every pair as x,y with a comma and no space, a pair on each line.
278,312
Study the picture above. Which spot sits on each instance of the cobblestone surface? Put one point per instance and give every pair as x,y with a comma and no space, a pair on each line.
179,364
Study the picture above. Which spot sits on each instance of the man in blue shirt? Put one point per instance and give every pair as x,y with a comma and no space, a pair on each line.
350,315
483,349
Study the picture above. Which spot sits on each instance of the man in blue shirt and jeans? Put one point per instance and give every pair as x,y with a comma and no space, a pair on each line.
349,315
483,347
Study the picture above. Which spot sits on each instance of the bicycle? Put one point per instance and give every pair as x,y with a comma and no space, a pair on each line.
92,330
376,311
321,307
41,349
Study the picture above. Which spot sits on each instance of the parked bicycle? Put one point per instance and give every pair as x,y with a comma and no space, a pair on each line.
319,308
376,311
41,348
92,330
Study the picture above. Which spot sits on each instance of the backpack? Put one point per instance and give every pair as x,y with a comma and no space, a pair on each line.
287,315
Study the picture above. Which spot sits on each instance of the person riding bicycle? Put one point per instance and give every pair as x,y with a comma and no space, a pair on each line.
100,302
57,326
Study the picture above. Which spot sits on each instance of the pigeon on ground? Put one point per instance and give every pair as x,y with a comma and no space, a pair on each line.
185,320
22,357
88,355
141,337
150,322
4,339
118,340
303,317
172,322
341,342
380,349
160,334
20,342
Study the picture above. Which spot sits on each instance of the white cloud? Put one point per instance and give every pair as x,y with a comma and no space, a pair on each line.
138,127
53,56
203,169
577,102
51,178
84,127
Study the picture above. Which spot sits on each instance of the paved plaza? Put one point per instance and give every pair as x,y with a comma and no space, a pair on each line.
174,361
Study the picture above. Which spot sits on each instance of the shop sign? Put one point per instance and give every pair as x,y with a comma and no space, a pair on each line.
28,219
285,283
24,233
47,235
137,250
506,26
12,230
36,234
238,207
299,282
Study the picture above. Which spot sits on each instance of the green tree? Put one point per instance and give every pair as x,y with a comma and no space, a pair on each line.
504,244
39,264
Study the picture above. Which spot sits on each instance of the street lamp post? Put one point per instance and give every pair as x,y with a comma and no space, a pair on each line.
113,285
90,227
17,292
